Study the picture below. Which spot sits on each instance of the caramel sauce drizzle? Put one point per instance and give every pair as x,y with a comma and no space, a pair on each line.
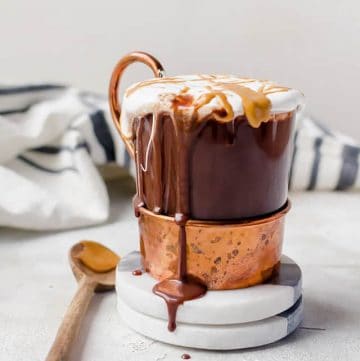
269,88
208,97
255,103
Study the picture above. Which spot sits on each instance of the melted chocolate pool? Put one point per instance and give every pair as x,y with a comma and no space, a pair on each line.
175,292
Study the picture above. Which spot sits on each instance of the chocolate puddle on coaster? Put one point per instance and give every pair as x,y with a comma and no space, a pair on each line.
175,292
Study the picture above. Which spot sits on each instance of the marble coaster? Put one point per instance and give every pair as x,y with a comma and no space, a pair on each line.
215,337
216,307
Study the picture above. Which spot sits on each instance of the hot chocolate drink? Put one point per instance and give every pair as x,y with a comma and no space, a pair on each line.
234,170
210,148
220,138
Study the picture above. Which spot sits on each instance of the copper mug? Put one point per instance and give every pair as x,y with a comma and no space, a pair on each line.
237,197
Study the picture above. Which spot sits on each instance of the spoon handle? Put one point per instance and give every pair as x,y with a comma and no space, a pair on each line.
71,322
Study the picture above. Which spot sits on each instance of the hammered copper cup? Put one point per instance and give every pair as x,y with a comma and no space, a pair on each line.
220,254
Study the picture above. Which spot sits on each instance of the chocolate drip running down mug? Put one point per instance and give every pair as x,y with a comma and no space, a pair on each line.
212,155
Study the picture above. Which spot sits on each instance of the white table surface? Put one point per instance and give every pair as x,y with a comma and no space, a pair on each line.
322,235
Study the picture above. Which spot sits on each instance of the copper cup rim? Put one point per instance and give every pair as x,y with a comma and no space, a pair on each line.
230,223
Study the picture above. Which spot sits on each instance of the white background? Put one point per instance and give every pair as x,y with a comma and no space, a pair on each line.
310,44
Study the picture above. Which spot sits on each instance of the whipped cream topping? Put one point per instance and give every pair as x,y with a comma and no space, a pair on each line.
198,97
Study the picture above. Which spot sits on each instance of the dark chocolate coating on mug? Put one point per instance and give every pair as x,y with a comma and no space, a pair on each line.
235,171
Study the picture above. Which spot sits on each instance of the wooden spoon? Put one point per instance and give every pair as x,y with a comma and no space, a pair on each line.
94,268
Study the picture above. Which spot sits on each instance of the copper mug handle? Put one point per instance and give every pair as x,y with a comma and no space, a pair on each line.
115,105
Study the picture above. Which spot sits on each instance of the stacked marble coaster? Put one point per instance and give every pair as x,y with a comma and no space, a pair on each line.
221,320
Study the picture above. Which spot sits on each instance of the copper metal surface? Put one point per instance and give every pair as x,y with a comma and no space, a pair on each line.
124,62
221,255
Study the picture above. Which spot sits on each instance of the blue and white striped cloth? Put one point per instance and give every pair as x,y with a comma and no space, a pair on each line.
52,138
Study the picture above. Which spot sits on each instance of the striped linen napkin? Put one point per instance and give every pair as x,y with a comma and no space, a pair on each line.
52,138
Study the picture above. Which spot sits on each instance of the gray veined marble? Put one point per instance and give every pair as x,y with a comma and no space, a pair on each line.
215,337
216,307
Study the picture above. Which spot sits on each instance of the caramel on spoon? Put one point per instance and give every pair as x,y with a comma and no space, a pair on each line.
94,268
